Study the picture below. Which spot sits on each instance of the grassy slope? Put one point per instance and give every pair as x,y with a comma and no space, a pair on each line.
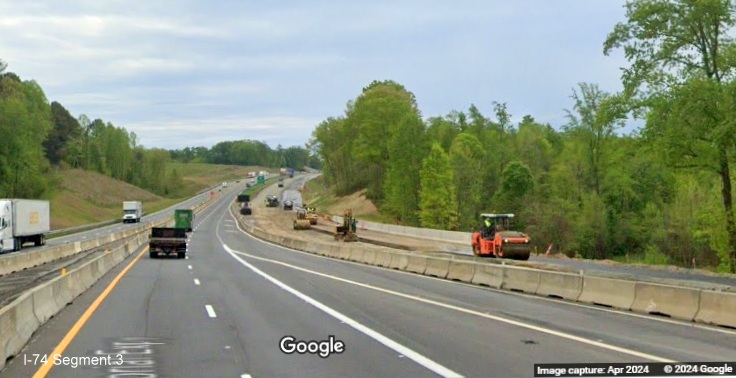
87,197
317,194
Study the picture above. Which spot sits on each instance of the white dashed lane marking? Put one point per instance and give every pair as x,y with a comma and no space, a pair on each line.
210,311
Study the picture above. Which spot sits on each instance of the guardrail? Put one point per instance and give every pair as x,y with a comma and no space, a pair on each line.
702,305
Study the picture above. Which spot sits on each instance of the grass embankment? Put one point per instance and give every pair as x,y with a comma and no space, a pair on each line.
255,189
197,176
87,197
318,195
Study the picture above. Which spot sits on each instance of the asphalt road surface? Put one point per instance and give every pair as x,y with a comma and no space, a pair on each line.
105,230
224,311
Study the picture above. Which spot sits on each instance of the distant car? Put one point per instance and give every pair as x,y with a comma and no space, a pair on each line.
281,184
288,205
248,185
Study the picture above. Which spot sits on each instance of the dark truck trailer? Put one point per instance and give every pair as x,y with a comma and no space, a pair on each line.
167,241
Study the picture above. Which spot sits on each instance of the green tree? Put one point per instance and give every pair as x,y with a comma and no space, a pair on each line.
406,148
535,149
466,156
66,129
593,122
25,121
680,50
376,114
517,182
437,198
443,131
332,140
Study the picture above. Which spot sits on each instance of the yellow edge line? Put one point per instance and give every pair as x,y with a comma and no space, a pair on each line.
46,367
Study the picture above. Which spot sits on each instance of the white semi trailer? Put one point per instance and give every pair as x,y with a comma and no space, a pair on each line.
23,221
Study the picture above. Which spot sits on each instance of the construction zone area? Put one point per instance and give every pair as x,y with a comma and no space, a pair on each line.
268,214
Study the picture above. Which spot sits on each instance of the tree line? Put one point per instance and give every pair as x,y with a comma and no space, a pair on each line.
39,138
663,193
249,152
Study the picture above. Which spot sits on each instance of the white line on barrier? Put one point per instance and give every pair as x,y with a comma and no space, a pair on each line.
210,311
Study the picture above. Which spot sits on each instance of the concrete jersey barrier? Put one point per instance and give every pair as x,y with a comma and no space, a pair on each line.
425,233
693,304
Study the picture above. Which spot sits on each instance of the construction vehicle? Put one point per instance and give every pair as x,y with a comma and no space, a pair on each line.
272,201
288,205
311,214
301,222
501,241
346,231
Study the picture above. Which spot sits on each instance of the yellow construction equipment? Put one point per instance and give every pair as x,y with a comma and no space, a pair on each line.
346,231
301,222
311,215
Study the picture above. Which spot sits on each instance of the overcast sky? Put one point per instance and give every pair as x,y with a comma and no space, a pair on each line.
193,73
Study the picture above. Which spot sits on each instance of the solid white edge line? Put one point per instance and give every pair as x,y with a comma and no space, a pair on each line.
196,281
472,312
210,311
416,357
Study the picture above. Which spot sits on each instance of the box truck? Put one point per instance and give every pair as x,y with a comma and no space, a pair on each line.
132,211
23,221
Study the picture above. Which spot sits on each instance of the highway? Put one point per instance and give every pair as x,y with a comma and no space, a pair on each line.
105,230
223,312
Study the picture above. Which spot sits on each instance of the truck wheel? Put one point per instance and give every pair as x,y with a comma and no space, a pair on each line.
181,255
152,255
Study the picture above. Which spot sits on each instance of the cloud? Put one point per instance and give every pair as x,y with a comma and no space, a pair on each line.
185,72
287,131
